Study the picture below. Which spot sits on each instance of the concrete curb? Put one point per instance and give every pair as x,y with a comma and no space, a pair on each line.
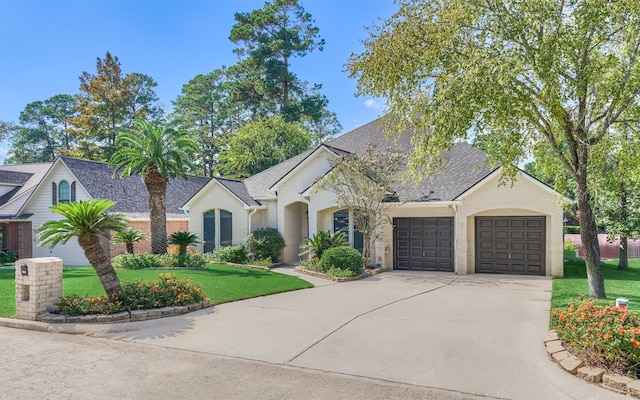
572,364
94,324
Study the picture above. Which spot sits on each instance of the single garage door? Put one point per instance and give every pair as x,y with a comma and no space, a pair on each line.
510,245
423,243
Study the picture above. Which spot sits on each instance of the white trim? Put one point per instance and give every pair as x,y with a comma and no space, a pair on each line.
498,171
300,165
204,189
46,176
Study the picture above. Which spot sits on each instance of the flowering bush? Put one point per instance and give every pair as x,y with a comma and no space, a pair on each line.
166,290
605,336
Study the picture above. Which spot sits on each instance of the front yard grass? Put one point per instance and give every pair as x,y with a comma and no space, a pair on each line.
221,283
617,283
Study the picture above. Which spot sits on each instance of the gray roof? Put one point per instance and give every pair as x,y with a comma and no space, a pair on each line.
130,194
466,166
25,178
238,188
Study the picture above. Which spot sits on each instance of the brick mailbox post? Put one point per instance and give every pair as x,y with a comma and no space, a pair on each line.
38,286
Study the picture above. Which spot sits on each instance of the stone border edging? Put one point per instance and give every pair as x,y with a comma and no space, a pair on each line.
365,274
615,382
124,316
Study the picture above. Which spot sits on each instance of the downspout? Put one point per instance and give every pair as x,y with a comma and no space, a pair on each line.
253,211
455,238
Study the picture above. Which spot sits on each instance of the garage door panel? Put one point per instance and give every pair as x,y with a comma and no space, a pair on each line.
513,245
430,246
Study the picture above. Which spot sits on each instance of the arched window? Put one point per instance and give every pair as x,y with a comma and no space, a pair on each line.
226,228
341,224
64,194
217,229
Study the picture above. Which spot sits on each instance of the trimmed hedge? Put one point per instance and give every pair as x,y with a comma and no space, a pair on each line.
142,261
345,258
265,243
232,254
572,229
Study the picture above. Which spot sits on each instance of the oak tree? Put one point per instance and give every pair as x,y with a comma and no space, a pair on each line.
559,74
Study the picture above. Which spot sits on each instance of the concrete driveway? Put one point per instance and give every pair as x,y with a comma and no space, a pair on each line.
476,334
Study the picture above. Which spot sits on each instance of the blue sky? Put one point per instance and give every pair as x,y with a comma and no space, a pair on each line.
46,44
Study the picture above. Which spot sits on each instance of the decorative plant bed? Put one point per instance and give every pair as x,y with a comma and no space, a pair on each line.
365,274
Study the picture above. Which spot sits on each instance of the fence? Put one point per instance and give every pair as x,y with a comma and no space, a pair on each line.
608,249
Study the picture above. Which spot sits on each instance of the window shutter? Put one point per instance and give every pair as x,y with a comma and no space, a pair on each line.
73,191
54,193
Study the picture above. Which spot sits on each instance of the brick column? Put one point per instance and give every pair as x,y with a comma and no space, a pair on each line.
38,286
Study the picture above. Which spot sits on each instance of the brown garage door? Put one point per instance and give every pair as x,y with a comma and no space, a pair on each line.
423,243
510,245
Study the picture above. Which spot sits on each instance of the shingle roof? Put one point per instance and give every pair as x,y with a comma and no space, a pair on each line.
130,194
25,178
466,166
239,189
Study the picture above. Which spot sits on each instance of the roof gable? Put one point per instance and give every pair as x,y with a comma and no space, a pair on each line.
235,187
130,194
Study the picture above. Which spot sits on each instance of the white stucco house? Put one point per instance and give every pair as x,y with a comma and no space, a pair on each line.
462,221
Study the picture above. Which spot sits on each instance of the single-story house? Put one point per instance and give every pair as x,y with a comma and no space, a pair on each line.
463,220
27,191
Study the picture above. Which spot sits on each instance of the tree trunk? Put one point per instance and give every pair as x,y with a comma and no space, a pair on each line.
157,188
129,248
182,249
623,258
589,235
96,255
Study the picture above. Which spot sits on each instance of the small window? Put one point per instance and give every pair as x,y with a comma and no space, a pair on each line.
3,237
64,194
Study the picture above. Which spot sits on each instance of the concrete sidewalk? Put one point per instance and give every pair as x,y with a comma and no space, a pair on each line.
476,334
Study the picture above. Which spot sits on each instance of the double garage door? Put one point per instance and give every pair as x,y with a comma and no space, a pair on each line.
504,245
510,245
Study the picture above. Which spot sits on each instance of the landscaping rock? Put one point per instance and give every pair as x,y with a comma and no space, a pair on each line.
590,374
82,319
617,382
153,313
119,317
571,364
167,311
551,336
559,356
634,388
179,310
52,318
138,315
554,346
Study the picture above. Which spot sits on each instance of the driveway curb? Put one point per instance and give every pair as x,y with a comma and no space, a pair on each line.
615,382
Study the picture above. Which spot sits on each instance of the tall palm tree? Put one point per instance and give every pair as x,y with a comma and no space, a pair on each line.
157,152
88,221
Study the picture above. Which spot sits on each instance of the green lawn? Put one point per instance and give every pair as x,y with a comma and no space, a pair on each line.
221,283
617,283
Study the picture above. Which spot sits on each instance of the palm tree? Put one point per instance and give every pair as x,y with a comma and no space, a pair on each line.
157,152
88,221
183,240
128,238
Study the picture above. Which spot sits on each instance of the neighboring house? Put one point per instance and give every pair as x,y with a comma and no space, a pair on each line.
462,221
69,179
17,183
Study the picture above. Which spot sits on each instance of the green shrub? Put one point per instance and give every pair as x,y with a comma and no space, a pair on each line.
166,290
8,257
141,261
604,336
312,264
233,254
265,243
343,258
572,229
322,241
336,272
569,245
